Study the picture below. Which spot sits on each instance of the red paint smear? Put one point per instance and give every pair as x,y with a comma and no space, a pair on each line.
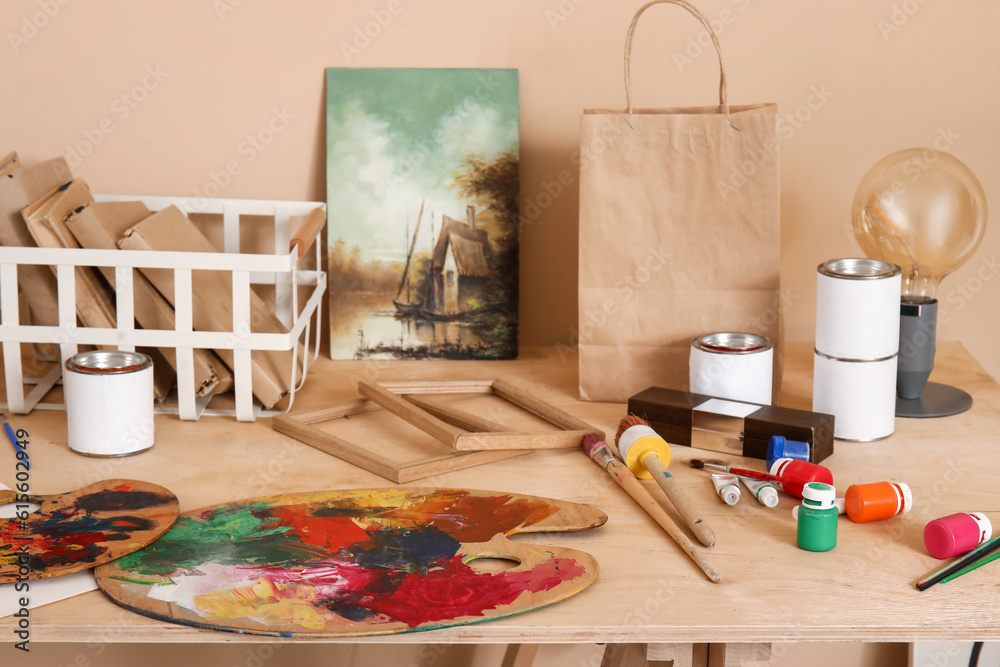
470,518
332,532
456,590
73,548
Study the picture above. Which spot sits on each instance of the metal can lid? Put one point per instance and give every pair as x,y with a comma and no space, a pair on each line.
858,268
729,342
108,362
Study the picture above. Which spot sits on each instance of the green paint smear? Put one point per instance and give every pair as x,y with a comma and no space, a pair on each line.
229,536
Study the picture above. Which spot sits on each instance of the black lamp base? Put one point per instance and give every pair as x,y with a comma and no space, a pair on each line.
937,400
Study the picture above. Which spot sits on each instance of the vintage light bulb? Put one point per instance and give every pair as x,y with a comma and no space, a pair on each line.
925,211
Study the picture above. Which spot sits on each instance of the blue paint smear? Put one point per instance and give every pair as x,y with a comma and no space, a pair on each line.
406,549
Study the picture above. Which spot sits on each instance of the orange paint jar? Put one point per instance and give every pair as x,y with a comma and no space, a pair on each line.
876,501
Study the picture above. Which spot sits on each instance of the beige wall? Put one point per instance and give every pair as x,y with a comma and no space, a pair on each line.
878,79
865,78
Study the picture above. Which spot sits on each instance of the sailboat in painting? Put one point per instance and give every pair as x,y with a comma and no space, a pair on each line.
407,307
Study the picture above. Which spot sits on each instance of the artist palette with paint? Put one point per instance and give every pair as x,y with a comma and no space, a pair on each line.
351,563
82,529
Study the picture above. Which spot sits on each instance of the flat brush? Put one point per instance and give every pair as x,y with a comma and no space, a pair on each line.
647,455
597,450
741,472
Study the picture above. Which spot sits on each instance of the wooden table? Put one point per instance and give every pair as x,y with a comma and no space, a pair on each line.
648,591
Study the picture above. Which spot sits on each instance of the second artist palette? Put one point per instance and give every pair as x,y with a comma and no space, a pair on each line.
350,563
81,529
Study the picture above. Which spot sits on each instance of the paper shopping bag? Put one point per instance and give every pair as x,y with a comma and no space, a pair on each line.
679,236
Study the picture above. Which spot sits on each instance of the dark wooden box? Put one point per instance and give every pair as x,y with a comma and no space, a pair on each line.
671,414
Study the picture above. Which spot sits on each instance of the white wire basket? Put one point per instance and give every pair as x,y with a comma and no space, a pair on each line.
302,316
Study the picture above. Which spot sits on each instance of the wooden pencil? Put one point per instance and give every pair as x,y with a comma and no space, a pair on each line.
597,450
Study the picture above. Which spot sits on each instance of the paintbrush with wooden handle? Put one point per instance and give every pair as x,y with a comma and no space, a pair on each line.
597,450
647,455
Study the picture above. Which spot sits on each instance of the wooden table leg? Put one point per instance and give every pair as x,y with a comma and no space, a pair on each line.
739,655
624,655
655,655
520,655
678,655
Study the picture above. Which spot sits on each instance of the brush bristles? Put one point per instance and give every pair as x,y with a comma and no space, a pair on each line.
698,463
591,443
627,423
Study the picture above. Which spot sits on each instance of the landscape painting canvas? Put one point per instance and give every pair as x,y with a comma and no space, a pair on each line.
422,193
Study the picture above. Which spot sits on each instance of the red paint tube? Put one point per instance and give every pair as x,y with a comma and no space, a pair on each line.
797,473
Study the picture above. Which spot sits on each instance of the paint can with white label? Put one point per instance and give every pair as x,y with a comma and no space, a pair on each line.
109,402
857,344
736,366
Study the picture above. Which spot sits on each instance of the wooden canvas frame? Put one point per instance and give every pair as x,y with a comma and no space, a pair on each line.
475,440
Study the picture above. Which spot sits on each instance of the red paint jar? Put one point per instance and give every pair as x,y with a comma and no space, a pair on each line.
798,473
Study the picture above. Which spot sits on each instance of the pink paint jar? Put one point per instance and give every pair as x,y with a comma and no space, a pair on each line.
956,534
798,473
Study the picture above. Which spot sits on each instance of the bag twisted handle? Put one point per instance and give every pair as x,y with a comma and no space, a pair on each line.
723,103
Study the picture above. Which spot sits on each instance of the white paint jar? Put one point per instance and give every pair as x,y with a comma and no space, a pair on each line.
109,402
734,366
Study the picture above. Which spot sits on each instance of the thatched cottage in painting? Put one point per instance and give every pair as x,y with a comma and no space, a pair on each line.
459,271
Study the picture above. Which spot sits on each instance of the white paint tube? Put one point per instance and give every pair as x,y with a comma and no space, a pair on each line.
763,491
728,488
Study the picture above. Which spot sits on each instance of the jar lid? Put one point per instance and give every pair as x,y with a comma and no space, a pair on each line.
904,489
819,495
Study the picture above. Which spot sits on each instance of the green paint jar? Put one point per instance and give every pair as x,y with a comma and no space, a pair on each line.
818,514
